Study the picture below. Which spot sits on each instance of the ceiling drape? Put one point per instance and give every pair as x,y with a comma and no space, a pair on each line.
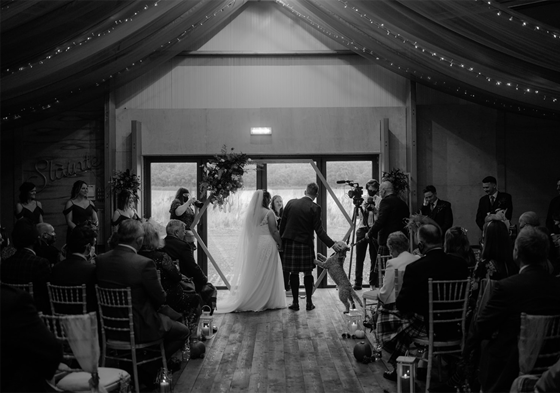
66,52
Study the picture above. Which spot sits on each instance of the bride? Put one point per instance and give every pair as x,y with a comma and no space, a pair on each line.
257,283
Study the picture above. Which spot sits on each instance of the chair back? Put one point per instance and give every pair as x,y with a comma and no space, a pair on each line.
381,266
115,314
399,275
539,343
53,323
67,300
24,287
447,308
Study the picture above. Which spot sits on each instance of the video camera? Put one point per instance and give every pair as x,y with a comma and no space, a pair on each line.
355,192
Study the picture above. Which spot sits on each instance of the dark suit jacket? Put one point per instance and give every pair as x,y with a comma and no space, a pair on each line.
532,291
180,250
121,268
503,201
442,214
30,353
437,265
75,270
553,209
392,212
302,217
24,267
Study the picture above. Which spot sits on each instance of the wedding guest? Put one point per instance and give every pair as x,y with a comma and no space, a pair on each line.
125,209
45,244
494,204
277,206
437,209
456,242
25,266
77,268
553,214
79,208
28,206
529,218
496,261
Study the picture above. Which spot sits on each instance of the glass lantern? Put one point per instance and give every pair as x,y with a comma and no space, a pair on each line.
353,321
205,323
406,374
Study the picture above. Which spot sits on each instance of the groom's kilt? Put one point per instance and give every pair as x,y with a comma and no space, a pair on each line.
298,257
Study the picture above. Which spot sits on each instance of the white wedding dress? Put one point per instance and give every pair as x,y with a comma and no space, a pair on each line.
257,282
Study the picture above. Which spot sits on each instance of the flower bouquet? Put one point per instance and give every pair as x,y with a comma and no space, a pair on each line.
223,175
125,181
398,178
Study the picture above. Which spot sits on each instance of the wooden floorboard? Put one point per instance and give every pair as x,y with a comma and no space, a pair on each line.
283,351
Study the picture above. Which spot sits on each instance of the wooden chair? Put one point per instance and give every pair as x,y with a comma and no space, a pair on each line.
447,305
370,297
77,380
117,330
67,300
24,287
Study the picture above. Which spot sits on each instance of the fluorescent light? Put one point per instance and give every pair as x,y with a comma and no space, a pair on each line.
261,130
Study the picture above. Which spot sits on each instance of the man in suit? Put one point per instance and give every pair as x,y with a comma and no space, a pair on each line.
533,291
25,266
391,217
493,203
30,353
413,301
77,268
122,267
45,244
302,217
553,214
437,209
177,247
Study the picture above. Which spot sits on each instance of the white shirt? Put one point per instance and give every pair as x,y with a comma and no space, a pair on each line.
387,291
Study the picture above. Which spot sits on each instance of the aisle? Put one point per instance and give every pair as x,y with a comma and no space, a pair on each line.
283,351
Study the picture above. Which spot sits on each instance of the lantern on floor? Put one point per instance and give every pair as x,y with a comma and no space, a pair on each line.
205,323
353,321
406,374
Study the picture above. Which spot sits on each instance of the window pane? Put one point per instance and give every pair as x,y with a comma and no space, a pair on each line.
358,172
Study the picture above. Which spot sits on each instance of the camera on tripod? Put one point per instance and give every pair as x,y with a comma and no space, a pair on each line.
355,192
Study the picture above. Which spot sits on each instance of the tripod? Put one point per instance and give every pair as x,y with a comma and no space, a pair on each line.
353,232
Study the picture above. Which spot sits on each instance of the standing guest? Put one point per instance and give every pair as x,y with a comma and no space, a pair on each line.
25,266
122,267
182,210
30,352
532,291
77,268
277,206
179,249
393,212
125,209
45,244
553,215
494,205
300,219
412,302
456,242
79,209
437,209
367,214
29,207
171,279
496,260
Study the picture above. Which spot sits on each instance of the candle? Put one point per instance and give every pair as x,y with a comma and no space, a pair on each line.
353,327
206,331
164,387
405,382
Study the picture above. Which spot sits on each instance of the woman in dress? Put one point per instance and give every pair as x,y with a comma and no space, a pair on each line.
125,209
496,259
257,282
182,210
277,206
456,242
79,209
29,207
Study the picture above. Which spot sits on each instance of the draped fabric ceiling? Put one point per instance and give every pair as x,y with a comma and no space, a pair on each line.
60,53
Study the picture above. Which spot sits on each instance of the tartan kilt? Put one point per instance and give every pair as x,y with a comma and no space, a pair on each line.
298,257
390,323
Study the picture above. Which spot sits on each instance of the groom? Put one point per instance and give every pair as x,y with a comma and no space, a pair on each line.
300,219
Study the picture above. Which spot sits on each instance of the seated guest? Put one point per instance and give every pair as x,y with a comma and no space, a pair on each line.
496,260
532,291
45,245
456,242
529,218
172,280
179,249
30,353
412,302
122,267
397,242
77,268
25,266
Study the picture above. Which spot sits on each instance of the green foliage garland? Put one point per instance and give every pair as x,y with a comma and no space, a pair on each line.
398,178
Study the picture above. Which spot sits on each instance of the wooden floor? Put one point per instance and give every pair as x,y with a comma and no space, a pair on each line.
283,351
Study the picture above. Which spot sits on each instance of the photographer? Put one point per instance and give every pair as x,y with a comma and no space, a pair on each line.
367,214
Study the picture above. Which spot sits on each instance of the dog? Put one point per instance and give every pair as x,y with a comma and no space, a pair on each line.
335,266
